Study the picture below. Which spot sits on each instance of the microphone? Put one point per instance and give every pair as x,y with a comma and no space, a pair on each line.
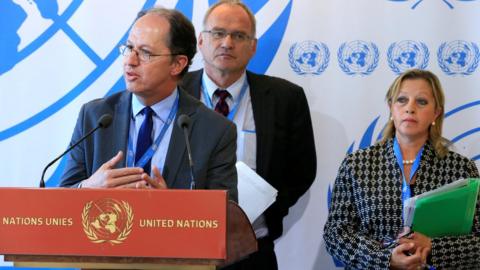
104,121
184,122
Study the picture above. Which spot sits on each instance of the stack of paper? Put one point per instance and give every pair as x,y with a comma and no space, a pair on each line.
255,194
445,211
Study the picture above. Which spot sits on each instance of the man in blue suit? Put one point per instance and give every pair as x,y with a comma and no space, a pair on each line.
143,147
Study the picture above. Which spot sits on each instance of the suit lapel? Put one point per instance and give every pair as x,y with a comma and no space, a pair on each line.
263,114
192,83
176,153
121,126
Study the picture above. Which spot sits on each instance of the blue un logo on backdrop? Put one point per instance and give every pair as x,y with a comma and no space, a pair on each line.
458,57
418,2
309,57
358,57
407,54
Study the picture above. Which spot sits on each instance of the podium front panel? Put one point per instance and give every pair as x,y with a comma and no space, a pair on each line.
114,222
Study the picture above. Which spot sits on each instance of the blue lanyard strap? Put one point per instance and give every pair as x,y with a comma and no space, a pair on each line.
147,156
406,190
236,104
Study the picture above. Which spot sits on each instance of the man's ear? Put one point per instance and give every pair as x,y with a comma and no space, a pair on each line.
178,64
254,46
200,40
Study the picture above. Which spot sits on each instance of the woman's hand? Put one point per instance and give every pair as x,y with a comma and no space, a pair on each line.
406,256
421,242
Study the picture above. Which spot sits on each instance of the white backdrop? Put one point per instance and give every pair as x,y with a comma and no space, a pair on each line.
57,55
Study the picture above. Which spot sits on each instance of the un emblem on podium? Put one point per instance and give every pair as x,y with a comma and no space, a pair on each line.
458,58
407,54
107,220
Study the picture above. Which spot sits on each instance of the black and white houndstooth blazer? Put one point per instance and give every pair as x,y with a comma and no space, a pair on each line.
366,208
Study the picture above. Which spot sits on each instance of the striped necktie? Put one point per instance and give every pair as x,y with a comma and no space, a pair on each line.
222,105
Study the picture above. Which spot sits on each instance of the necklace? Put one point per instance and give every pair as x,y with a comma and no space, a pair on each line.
408,161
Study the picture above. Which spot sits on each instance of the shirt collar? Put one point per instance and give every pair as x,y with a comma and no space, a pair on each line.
234,89
162,108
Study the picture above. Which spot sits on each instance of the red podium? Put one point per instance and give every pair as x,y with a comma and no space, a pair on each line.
122,229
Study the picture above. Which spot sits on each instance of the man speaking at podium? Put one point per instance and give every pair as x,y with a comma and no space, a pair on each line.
144,147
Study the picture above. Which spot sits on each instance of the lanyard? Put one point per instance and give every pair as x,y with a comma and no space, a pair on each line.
406,191
147,156
236,104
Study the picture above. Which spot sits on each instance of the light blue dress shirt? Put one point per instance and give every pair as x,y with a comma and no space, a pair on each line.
162,110
246,132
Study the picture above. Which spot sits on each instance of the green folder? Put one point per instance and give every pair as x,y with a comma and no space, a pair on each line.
446,211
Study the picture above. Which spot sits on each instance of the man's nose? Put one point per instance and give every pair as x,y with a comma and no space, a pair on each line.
132,59
227,41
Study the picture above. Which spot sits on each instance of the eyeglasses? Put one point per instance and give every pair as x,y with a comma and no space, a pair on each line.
221,34
143,55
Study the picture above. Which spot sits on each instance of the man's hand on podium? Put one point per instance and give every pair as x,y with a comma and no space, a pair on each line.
109,177
157,182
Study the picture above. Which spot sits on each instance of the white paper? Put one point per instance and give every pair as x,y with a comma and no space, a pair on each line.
255,194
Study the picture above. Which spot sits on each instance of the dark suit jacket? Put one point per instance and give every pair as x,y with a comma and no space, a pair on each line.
212,139
285,145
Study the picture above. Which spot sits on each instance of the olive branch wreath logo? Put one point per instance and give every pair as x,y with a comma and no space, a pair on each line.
93,236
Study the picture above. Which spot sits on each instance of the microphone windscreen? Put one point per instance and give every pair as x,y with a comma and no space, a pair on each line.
183,121
105,120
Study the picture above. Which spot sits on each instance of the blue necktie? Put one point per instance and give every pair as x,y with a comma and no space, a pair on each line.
144,139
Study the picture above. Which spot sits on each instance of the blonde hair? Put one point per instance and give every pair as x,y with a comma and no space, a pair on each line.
439,143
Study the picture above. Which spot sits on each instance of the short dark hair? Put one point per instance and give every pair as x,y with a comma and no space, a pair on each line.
181,39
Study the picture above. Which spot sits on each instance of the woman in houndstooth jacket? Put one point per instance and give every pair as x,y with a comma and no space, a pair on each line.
372,184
